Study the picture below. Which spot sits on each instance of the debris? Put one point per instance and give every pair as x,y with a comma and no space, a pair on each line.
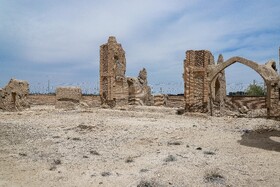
105,174
13,97
170,158
243,110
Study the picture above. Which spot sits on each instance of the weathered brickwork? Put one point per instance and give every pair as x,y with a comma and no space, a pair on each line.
267,71
113,83
205,84
218,90
160,100
115,87
195,80
13,97
139,91
68,97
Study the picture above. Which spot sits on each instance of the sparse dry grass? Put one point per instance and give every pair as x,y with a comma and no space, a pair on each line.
214,176
47,147
170,158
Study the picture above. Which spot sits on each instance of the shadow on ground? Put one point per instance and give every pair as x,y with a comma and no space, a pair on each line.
261,138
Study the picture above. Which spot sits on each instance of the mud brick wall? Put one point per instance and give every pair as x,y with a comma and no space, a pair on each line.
275,101
160,100
13,97
68,97
50,99
95,101
236,102
73,94
42,99
195,80
113,83
175,101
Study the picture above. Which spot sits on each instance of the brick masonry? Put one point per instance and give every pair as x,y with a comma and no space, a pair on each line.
113,83
205,84
13,97
195,80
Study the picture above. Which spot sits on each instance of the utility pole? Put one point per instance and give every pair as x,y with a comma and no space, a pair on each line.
279,61
48,86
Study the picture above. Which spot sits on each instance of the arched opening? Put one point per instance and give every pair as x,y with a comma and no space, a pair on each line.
237,97
13,101
241,80
217,90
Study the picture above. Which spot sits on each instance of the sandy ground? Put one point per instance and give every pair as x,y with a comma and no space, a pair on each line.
141,146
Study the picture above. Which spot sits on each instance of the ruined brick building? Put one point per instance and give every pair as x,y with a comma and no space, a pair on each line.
196,85
113,83
205,84
115,87
139,91
13,97
68,97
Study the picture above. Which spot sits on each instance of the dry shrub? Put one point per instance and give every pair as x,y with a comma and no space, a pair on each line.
105,174
174,143
214,176
170,158
129,159
209,153
148,183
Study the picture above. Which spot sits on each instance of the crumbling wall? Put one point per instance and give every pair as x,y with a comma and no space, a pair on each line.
219,85
269,74
175,101
68,97
250,102
218,90
113,83
274,100
50,99
13,97
139,91
273,88
42,99
195,80
115,87
160,100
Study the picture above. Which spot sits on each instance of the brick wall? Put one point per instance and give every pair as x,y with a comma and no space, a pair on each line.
195,80
250,102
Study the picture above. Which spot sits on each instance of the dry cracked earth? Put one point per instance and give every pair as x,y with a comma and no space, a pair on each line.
136,146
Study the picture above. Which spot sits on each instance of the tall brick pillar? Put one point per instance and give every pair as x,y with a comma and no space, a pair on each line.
113,83
195,80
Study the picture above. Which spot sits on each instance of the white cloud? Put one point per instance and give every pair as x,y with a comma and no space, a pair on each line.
155,34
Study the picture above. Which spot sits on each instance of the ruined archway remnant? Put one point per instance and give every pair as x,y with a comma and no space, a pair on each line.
268,72
265,71
115,87
160,100
113,83
205,86
195,80
139,91
13,97
68,97
219,89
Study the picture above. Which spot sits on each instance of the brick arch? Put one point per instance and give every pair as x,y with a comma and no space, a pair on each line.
267,72
249,63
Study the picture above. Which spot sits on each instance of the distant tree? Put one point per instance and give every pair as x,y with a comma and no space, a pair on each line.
255,90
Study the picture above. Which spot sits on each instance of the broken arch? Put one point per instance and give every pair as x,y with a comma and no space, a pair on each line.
268,72
201,75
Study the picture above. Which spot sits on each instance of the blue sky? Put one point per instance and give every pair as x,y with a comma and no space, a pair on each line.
59,41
